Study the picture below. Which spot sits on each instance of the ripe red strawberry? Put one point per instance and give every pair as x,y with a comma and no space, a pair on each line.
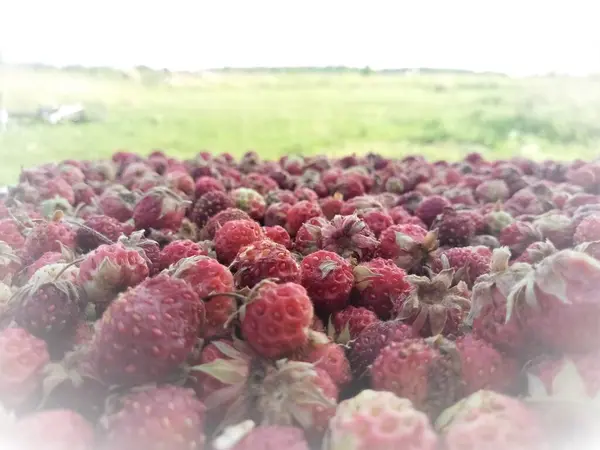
276,214
147,331
57,429
265,437
377,221
588,230
379,420
407,245
117,201
556,302
349,236
264,259
492,421
366,347
157,418
23,358
351,321
48,236
328,280
350,186
309,238
469,263
105,229
537,251
276,319
233,236
149,249
454,229
11,234
297,392
178,250
57,187
208,205
250,201
207,277
332,206
160,209
518,235
330,358
111,269
431,207
379,284
279,235
207,184
489,305
217,221
300,213
433,305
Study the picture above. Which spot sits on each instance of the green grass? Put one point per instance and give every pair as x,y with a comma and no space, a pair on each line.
440,116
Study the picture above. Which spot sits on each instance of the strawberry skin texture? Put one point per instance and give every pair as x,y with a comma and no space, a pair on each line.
9,231
48,237
356,319
177,250
167,417
234,235
276,321
107,226
208,205
430,207
22,358
147,331
278,234
588,230
330,358
219,219
300,213
328,279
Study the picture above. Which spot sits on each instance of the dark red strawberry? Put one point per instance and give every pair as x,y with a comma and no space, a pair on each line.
177,250
278,234
300,213
235,235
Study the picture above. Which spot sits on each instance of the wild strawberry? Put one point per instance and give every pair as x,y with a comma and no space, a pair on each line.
350,186
280,196
250,201
207,277
328,279
407,245
207,184
297,392
279,235
588,230
300,213
233,236
111,269
57,187
332,206
361,204
217,221
117,202
149,249
491,191
489,305
54,430
104,229
377,221
266,437
209,205
433,306
276,319
351,320
496,221
431,207
379,283
259,183
349,236
537,251
454,229
518,235
50,308
159,208
264,259
11,234
330,358
147,331
558,228
48,236
367,346
309,238
156,418
557,304
180,181
23,358
178,250
492,421
84,194
276,214
468,262
379,420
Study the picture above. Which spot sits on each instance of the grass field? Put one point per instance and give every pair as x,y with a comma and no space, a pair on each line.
440,116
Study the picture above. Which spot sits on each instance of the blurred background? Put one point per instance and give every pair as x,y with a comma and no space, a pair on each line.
439,78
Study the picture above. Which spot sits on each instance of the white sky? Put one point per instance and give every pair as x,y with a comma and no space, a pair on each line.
517,37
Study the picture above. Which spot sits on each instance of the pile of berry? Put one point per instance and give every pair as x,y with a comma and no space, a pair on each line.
349,304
